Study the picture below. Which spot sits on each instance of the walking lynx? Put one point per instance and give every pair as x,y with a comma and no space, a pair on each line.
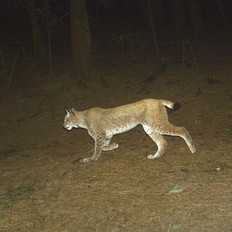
102,124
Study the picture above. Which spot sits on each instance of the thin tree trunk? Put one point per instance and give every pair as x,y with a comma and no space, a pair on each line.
81,40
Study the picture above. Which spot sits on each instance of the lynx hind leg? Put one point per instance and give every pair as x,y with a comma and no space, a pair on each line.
158,139
181,132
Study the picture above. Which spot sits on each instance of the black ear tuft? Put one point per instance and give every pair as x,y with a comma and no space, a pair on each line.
176,106
69,110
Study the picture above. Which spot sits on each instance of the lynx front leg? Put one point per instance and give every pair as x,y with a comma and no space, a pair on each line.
107,146
96,155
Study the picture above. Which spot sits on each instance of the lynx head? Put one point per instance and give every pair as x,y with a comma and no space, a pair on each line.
70,120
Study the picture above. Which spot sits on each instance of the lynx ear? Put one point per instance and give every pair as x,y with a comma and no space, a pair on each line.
70,111
67,111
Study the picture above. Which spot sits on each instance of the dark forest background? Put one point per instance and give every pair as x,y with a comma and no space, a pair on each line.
43,31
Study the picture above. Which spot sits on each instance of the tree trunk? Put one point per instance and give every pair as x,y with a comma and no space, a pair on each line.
223,14
197,22
81,39
38,43
180,19
152,25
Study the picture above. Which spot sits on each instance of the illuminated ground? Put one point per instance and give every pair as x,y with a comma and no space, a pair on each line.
45,188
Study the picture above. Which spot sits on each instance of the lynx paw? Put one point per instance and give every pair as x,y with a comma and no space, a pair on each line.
157,155
110,147
150,157
114,146
85,160
193,149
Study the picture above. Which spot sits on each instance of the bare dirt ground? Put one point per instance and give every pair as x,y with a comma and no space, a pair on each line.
43,187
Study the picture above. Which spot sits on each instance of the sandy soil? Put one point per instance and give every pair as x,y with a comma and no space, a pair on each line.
45,188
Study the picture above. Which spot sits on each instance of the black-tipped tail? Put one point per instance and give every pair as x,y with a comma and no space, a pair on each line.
176,106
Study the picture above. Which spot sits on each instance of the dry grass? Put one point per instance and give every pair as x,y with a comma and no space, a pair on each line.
44,188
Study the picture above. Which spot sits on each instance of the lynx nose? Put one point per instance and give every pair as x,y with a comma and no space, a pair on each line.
67,127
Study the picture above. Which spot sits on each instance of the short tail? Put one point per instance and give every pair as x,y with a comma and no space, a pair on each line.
171,105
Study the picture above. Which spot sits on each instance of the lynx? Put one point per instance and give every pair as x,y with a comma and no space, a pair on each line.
102,124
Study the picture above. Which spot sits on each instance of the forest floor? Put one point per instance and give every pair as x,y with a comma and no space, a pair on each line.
43,187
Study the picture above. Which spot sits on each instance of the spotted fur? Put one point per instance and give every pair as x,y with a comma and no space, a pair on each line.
103,124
